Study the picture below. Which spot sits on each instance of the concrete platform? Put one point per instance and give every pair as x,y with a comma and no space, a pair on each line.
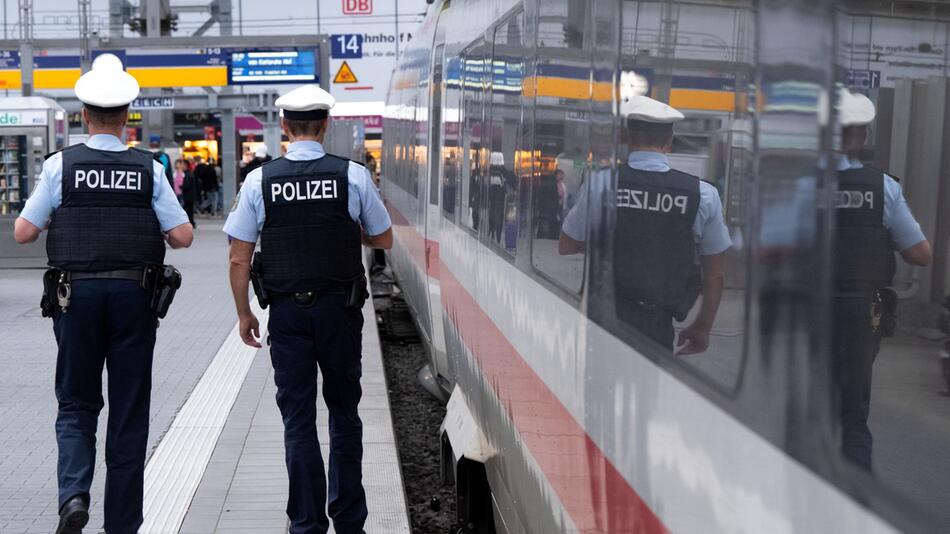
234,479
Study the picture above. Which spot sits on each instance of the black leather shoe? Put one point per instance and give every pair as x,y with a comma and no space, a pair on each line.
73,516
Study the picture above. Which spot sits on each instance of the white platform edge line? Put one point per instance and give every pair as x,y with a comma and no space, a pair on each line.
374,347
178,464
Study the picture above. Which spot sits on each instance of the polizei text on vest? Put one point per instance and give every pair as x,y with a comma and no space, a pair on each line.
108,179
303,190
651,201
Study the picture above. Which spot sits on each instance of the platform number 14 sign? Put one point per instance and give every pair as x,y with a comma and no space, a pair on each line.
346,46
357,7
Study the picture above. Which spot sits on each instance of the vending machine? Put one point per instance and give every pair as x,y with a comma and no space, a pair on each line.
30,128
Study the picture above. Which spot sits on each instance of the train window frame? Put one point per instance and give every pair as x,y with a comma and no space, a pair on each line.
478,47
551,282
489,114
436,111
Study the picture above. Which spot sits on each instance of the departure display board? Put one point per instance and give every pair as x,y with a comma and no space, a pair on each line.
272,66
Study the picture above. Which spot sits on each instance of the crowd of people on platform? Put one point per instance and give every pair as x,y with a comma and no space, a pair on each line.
197,184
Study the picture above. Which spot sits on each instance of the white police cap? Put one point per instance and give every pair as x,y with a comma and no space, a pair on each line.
645,109
308,102
106,85
854,109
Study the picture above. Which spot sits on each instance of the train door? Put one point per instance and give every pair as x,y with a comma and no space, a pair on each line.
434,220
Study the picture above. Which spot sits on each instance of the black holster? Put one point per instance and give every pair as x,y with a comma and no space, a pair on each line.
163,282
888,299
257,281
357,294
48,302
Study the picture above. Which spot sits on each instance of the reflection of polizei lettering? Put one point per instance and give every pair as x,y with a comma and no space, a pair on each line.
309,190
102,179
854,199
650,201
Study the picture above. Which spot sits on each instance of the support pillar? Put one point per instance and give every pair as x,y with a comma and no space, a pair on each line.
229,157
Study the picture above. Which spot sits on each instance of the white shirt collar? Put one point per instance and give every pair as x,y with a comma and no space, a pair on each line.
106,142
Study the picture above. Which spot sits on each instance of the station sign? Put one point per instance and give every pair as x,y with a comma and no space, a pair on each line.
14,118
153,102
863,79
346,46
357,7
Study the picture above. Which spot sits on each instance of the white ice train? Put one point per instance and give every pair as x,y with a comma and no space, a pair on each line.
563,418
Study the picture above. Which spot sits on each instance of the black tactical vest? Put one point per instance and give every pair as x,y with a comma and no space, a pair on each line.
654,249
864,252
309,241
106,221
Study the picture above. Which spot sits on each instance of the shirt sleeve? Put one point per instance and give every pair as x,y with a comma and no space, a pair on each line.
43,201
898,219
246,219
164,202
373,215
710,229
575,222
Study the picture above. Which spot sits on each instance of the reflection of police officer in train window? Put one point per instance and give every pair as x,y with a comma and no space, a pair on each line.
311,211
873,220
665,219
106,207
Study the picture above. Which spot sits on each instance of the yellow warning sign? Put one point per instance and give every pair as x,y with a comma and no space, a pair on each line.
345,74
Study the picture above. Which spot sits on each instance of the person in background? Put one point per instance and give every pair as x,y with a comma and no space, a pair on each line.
219,174
160,156
208,181
178,177
260,158
189,189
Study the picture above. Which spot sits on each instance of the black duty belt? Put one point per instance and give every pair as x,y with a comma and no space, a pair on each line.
120,274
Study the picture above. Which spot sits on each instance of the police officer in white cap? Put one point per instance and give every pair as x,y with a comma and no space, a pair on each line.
110,211
873,221
311,211
669,232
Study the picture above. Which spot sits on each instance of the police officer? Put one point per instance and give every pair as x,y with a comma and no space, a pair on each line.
666,221
108,209
873,221
311,211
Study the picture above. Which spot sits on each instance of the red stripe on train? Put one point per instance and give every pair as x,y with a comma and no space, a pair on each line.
423,251
596,495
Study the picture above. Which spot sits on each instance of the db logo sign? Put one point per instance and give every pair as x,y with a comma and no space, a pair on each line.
357,7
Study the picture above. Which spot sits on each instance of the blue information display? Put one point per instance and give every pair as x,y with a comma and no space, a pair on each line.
272,66
346,46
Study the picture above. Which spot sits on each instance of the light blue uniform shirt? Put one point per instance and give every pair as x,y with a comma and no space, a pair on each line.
47,195
899,221
246,219
709,229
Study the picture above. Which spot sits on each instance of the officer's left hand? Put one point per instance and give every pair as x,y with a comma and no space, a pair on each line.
692,340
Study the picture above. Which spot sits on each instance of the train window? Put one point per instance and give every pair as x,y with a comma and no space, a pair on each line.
505,132
669,269
561,144
475,77
451,116
891,418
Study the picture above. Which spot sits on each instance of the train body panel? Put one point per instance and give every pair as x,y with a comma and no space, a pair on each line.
592,429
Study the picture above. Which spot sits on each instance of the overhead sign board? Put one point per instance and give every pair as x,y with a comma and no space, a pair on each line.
272,66
153,102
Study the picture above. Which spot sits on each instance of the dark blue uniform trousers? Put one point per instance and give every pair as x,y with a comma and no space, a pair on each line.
856,345
327,335
108,323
